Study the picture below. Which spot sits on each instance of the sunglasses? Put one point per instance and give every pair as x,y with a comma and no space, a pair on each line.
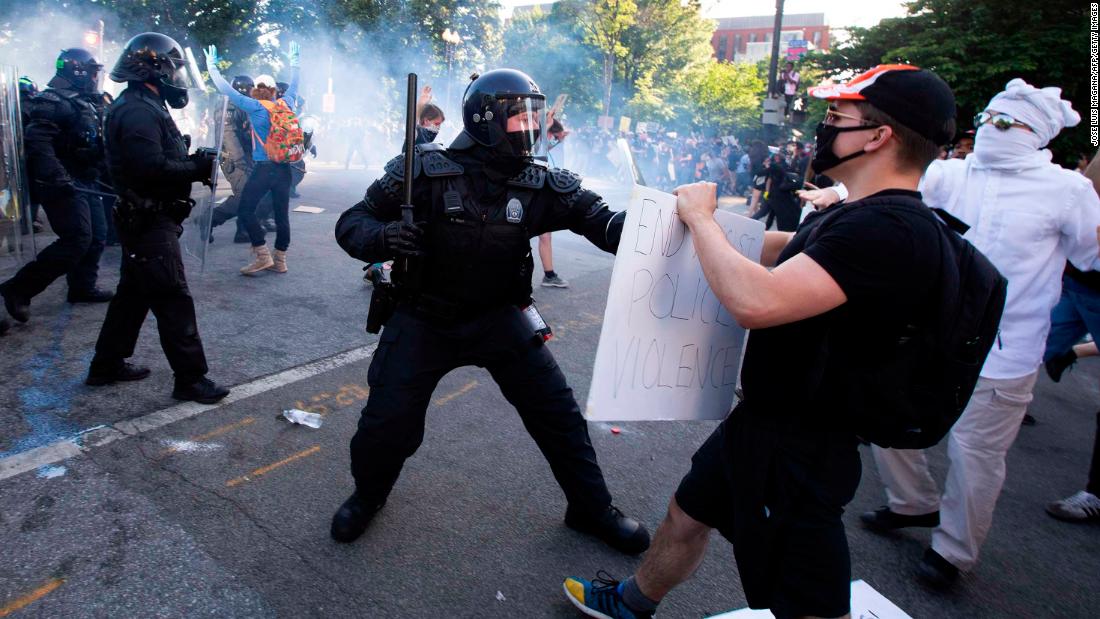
1004,122
832,117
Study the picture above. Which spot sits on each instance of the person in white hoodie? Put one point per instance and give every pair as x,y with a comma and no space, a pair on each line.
1028,216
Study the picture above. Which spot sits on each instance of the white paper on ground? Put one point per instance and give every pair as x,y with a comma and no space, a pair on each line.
866,604
308,209
668,350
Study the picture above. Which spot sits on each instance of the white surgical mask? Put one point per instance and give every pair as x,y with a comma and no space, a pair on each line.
994,147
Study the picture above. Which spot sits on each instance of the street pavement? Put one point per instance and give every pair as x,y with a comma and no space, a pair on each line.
224,511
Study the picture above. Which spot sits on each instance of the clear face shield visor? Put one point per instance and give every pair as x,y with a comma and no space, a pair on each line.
524,124
185,72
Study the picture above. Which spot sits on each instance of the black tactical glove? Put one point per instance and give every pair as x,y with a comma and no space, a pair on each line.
313,151
403,239
203,159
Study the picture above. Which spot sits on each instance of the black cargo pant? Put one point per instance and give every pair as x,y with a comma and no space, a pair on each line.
81,230
412,357
152,279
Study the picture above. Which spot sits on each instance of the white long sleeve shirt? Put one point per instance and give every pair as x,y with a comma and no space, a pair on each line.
1028,221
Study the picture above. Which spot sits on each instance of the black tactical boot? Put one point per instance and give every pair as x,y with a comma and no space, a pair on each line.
203,391
98,377
18,306
349,522
626,535
95,295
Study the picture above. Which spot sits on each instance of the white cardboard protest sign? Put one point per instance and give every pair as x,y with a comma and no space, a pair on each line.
866,604
668,350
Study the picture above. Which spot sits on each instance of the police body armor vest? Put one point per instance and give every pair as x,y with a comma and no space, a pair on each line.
80,143
477,256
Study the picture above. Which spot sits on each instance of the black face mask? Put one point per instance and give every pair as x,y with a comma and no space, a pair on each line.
824,157
520,143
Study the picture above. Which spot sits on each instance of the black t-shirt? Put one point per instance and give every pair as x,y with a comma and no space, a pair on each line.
886,259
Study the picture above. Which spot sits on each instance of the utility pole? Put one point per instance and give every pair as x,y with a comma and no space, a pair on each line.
777,31
773,68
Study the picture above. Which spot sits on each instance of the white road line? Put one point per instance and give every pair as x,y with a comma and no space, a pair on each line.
102,435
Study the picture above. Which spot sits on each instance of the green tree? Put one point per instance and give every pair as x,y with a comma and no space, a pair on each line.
725,97
546,47
667,36
977,46
604,24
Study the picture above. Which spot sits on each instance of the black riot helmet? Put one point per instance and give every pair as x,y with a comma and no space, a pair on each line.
27,87
157,59
243,84
76,68
281,88
505,111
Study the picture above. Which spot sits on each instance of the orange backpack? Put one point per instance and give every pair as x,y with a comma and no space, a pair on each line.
285,142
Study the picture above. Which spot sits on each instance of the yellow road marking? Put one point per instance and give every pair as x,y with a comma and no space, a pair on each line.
271,467
462,391
31,597
216,432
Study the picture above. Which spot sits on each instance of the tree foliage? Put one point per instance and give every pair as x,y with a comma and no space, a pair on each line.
604,25
726,97
977,46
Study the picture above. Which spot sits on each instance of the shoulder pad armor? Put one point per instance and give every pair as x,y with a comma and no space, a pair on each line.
563,181
396,167
50,96
532,177
435,163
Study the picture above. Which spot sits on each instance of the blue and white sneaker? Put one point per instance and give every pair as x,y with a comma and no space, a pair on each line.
601,598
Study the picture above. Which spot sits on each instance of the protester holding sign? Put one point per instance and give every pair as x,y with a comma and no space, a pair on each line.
776,474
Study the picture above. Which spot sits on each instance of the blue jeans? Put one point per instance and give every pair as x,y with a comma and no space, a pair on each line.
265,177
1077,313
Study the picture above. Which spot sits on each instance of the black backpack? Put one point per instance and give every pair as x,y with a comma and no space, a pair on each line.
911,398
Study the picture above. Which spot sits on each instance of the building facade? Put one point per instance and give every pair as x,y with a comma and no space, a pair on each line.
748,39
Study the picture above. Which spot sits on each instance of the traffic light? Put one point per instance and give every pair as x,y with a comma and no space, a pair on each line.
91,38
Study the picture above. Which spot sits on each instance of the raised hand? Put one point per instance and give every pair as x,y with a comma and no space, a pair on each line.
295,53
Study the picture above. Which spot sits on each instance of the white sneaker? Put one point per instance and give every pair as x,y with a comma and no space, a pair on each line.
1078,508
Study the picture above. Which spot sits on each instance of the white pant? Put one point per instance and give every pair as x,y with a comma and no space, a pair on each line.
976,447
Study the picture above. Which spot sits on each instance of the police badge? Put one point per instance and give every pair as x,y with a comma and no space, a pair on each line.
514,211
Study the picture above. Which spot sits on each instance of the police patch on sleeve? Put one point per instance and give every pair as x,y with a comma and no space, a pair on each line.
514,211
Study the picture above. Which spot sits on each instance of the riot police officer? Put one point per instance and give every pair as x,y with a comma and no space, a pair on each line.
479,202
65,158
236,161
152,174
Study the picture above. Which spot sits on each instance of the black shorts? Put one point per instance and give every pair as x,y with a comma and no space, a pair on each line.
777,496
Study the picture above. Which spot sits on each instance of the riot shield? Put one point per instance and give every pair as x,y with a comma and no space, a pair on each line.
204,120
16,233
